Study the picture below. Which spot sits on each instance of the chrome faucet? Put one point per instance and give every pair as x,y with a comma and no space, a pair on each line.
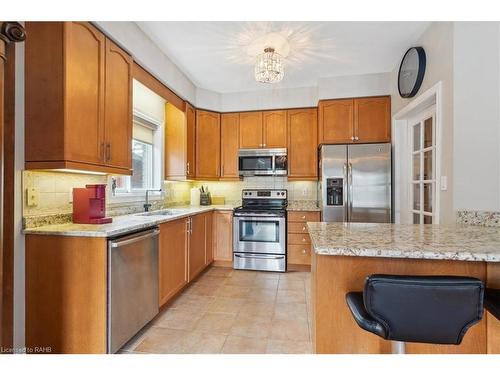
147,205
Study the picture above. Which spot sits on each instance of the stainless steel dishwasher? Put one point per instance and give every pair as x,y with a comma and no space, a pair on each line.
132,285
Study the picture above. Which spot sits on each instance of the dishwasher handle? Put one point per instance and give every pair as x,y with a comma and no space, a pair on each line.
142,236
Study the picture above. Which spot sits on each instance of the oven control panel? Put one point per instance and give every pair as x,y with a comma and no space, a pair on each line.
264,194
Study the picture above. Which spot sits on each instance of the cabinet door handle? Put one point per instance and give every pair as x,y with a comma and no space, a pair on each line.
352,138
303,229
356,138
304,251
108,152
102,155
304,217
187,168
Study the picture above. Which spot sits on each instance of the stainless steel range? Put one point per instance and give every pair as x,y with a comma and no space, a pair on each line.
259,230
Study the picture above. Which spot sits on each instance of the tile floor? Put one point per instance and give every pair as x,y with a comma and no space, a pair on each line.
233,312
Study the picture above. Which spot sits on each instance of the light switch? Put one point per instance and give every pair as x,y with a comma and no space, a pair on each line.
444,183
31,197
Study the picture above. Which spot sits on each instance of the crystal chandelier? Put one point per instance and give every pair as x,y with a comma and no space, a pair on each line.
269,67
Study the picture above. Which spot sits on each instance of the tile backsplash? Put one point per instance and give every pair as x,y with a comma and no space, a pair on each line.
54,191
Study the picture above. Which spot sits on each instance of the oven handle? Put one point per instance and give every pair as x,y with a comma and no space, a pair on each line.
259,218
259,256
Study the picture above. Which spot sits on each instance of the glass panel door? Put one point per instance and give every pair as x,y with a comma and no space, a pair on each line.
423,166
256,163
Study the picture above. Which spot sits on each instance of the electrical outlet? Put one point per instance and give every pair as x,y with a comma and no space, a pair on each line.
31,197
306,192
444,183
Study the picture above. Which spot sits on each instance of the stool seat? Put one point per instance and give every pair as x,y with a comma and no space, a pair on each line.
492,301
425,309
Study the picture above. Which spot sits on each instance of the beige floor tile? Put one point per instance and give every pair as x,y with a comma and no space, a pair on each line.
244,345
202,289
179,318
257,327
215,323
233,291
291,296
293,330
162,340
266,283
191,301
295,275
268,275
219,271
255,309
198,342
261,295
290,311
226,305
291,284
136,340
288,347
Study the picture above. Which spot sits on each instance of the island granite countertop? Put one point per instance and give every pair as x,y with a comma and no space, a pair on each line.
124,224
446,242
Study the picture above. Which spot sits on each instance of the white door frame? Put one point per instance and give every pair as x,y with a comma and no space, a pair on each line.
400,122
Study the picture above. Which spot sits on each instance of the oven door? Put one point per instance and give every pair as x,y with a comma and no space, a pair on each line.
259,234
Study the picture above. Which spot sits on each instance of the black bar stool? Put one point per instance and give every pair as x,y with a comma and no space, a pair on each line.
424,309
492,301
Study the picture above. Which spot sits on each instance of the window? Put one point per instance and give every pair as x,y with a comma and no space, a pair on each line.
423,170
147,145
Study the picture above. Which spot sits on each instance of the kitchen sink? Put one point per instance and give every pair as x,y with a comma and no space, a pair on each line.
168,212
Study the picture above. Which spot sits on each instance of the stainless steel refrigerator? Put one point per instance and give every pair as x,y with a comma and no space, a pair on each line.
355,183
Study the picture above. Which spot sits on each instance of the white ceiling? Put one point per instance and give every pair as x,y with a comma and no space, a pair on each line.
214,54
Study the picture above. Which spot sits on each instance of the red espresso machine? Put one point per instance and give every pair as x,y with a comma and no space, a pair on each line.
89,205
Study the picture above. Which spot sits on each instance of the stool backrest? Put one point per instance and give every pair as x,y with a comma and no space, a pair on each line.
430,309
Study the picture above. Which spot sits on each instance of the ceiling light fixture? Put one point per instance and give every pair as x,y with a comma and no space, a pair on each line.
269,66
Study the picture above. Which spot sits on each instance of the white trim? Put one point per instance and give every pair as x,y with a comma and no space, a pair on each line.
422,103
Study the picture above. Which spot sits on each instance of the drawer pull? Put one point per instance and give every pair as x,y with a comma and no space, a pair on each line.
304,229
304,240
304,251
303,217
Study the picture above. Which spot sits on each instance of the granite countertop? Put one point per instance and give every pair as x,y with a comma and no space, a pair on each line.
303,206
447,242
123,224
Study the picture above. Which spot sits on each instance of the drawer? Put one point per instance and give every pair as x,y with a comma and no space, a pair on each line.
298,239
303,216
298,254
294,227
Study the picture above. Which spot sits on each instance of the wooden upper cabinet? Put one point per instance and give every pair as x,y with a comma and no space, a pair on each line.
336,121
251,130
190,146
303,144
78,83
175,143
173,261
207,145
274,129
229,135
84,58
358,120
118,107
372,119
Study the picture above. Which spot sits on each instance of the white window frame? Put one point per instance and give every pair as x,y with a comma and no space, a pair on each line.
129,194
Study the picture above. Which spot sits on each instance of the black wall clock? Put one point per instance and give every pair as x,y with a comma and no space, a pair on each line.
411,72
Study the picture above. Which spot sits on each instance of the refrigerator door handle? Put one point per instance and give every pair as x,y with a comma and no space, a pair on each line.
349,168
346,184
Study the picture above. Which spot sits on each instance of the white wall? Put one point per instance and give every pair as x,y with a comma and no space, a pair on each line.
147,54
476,115
437,41
353,86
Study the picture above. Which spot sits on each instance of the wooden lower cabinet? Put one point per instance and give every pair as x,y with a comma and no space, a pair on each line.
172,262
299,243
197,246
223,236
66,281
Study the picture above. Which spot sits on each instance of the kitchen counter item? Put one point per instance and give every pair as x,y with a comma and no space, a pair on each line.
89,205
195,197
415,241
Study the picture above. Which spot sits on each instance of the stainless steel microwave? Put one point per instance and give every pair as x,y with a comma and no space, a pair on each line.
263,162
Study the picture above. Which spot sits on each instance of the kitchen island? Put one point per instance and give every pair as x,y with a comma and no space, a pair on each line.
344,254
